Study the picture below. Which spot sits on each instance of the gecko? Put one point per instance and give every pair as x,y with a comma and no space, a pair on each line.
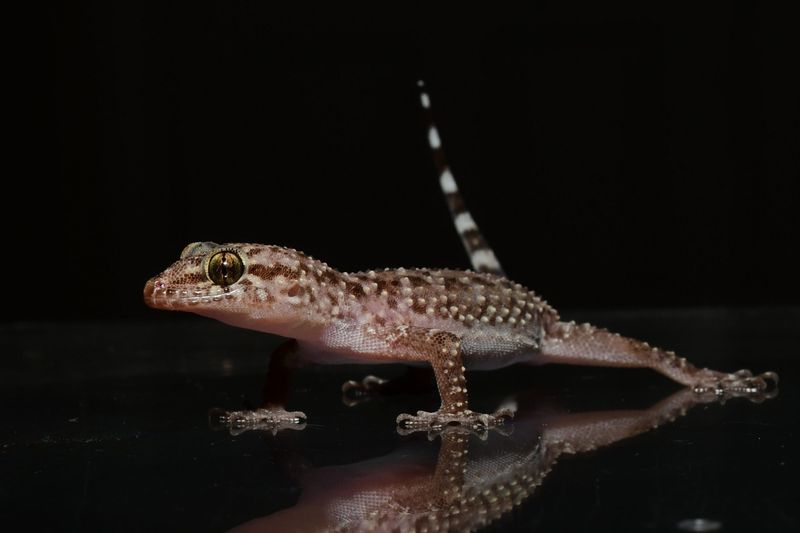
451,320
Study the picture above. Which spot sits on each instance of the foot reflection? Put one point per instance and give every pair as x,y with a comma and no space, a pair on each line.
471,483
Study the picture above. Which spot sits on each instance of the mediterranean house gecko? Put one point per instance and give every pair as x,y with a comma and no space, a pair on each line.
452,320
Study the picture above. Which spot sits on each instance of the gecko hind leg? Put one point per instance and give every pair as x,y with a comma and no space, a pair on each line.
584,344
271,416
443,350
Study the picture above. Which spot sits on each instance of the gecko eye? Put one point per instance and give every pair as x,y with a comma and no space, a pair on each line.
225,268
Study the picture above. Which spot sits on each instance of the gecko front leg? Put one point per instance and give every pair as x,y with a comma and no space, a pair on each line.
443,350
271,416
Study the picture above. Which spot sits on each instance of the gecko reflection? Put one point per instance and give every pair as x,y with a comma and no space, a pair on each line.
471,484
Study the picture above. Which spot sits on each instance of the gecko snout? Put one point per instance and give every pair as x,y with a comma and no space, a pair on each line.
150,290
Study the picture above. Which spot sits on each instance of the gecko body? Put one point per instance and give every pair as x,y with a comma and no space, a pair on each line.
452,320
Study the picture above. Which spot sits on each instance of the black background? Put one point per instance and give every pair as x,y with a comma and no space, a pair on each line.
614,155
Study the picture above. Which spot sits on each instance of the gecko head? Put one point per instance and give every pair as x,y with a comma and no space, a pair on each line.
248,285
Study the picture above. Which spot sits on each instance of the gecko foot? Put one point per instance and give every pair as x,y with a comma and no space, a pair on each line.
441,421
272,419
356,392
741,383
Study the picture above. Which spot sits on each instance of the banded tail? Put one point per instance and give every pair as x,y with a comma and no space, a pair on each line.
480,254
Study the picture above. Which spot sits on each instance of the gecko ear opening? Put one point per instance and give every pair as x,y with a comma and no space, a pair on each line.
295,290
198,248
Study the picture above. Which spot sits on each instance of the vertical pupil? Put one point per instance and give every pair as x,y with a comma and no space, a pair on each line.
224,266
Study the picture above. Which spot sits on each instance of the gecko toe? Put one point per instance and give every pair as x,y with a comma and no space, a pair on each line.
741,383
365,386
440,421
356,392
271,419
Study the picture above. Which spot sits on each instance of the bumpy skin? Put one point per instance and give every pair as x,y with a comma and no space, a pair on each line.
450,319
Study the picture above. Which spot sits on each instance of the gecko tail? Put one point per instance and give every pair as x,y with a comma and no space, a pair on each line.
480,253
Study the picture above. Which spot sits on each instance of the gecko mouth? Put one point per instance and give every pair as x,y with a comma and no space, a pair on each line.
149,288
157,294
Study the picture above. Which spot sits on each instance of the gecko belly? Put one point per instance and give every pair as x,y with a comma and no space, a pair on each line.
482,348
487,351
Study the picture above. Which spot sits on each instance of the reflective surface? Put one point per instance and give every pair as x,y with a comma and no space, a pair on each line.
106,428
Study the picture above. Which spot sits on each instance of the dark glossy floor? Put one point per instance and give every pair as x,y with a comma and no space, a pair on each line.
106,429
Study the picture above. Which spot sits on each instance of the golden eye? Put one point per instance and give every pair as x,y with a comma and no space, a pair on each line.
225,268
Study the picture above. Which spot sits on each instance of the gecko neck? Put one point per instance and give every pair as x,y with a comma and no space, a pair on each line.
304,330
